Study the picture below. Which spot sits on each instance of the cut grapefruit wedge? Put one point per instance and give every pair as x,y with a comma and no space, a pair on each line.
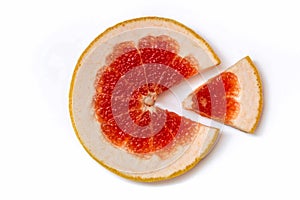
234,97
112,99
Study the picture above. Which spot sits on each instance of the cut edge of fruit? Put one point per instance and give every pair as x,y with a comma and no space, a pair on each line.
188,102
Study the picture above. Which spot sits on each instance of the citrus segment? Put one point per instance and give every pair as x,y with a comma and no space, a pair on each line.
114,133
216,98
184,66
126,61
233,97
162,42
119,50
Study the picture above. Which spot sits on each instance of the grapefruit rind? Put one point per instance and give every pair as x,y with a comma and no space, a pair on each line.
250,97
81,110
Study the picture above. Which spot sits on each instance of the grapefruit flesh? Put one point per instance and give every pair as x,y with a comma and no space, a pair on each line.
233,97
216,98
142,74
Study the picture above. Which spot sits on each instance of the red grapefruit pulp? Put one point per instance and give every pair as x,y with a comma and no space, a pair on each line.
126,90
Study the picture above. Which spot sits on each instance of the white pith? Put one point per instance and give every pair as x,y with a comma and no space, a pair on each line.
249,97
88,128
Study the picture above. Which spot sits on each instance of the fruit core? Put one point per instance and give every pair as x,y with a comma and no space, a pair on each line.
149,100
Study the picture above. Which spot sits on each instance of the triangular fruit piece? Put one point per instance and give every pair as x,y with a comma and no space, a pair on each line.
112,99
234,97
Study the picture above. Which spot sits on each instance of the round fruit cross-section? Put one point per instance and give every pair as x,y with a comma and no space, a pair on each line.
113,92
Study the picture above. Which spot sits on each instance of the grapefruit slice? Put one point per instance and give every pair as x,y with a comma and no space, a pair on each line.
233,97
112,99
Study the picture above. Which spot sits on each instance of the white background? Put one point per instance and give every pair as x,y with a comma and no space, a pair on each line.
40,156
